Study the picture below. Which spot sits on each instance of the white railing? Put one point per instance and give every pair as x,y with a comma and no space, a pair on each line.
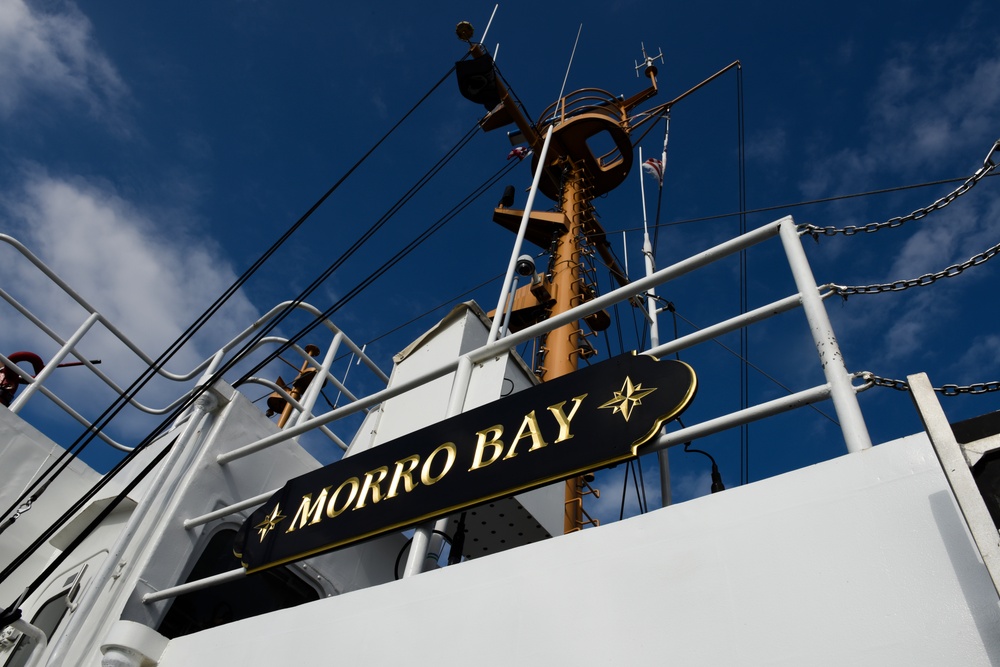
839,386
207,368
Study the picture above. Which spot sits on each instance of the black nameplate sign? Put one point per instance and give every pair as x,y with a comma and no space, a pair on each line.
593,418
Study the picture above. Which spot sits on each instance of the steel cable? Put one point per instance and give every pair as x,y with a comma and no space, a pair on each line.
37,488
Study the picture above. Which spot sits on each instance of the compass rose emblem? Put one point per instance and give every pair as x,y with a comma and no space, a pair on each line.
269,522
628,398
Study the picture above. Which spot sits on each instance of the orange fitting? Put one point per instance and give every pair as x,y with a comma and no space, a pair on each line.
591,521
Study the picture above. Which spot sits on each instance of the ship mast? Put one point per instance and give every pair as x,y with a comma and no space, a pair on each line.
573,175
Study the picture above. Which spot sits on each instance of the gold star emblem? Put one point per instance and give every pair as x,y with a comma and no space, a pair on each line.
630,396
269,522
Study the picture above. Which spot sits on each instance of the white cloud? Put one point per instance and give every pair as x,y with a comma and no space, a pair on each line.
950,237
688,487
768,147
54,55
982,353
611,484
934,111
932,105
906,336
149,278
932,102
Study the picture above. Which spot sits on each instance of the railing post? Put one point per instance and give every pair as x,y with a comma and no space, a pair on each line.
845,399
54,362
311,393
159,500
422,537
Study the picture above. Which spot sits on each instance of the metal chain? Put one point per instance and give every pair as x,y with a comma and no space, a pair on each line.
946,389
922,281
988,166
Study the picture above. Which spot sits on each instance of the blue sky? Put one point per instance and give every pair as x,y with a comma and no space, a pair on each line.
149,152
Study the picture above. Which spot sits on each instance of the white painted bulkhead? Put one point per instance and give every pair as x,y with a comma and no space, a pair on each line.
162,551
861,560
24,454
464,329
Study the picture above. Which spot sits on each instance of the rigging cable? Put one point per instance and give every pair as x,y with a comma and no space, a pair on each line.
744,287
810,202
265,330
446,302
35,490
640,487
344,256
377,273
638,482
91,526
663,171
225,367
621,512
148,373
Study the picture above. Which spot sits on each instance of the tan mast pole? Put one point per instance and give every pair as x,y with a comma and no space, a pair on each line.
574,176
561,349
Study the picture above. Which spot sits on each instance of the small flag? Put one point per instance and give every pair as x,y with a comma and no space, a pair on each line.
520,152
654,167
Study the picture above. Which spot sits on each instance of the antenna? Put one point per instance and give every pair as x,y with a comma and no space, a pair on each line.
490,22
647,62
570,64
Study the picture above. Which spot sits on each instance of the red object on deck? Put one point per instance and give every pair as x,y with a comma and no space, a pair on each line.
10,380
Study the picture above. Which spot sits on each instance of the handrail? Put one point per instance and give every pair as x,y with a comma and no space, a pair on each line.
511,341
839,385
809,296
51,275
572,105
207,367
179,377
273,386
229,509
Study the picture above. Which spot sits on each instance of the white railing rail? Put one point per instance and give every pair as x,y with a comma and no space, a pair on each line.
207,368
839,385
836,372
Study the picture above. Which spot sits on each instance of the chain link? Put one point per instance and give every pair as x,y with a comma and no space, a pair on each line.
946,389
922,281
988,166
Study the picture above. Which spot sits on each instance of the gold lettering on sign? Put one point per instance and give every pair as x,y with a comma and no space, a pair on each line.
331,507
404,471
357,493
425,470
563,419
494,442
373,484
529,429
307,507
